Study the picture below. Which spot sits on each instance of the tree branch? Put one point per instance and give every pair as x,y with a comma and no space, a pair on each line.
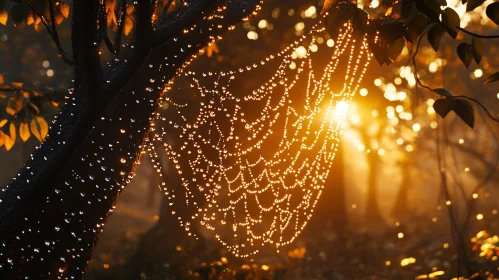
479,104
146,38
121,25
53,32
109,44
478,35
416,76
86,38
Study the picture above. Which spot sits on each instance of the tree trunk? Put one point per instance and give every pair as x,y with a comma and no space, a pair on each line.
53,212
373,215
401,207
161,252
332,204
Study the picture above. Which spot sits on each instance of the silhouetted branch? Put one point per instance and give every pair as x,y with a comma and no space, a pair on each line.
415,66
52,31
121,25
109,44
478,35
479,104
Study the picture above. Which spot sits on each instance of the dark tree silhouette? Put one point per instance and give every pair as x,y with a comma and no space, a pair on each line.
52,213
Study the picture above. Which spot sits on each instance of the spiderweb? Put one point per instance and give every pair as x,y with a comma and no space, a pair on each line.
251,163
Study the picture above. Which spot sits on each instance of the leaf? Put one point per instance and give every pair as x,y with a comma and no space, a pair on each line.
477,49
334,21
465,111
59,19
44,128
391,31
1,79
128,26
12,132
2,139
24,131
377,51
64,8
473,4
492,12
9,143
430,8
395,49
450,19
418,25
492,78
35,130
328,4
30,19
5,127
19,13
435,36
33,108
464,53
359,21
408,10
443,106
442,91
4,17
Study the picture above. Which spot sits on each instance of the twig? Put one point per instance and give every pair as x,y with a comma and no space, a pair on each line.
415,66
479,104
458,96
109,44
121,25
53,33
478,35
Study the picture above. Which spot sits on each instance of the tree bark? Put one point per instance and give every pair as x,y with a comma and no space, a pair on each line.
53,212
373,215
401,207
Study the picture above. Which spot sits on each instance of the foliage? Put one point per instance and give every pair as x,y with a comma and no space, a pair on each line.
405,23
23,111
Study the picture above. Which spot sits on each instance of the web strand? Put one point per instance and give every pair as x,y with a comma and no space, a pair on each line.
252,163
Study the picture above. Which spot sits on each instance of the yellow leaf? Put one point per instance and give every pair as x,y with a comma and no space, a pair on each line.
12,131
30,19
37,19
211,49
129,9
111,16
4,17
389,12
59,19
37,110
17,84
3,122
128,26
111,19
34,130
327,5
44,127
10,111
10,141
1,79
24,131
64,10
